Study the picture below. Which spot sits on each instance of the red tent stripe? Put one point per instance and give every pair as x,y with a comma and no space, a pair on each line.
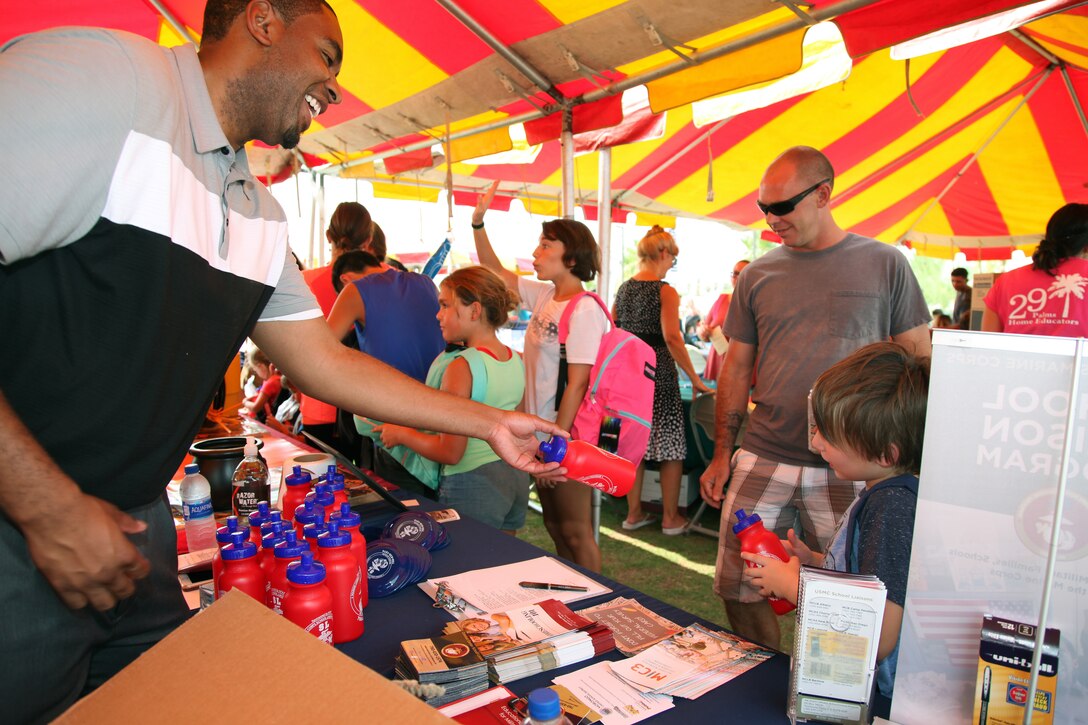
884,24
930,91
893,214
681,167
511,21
971,208
443,39
546,164
1062,134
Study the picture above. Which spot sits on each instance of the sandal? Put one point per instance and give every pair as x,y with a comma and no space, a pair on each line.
646,520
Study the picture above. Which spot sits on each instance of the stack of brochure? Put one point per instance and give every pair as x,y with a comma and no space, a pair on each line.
634,627
834,658
450,661
691,663
521,642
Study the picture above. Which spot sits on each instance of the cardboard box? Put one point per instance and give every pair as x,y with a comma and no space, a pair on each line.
689,491
206,651
1004,671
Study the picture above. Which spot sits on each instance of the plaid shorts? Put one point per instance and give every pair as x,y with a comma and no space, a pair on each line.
809,499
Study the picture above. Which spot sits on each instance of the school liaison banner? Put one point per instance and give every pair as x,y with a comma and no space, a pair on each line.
995,430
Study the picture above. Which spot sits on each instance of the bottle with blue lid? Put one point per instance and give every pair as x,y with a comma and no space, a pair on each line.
298,484
339,490
324,495
196,508
222,538
285,552
544,708
240,568
308,602
345,581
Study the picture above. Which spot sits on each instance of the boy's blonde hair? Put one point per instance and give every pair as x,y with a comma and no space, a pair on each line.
873,400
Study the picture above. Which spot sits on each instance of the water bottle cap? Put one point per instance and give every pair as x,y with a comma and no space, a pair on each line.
553,450
544,704
238,548
290,547
272,538
324,494
306,570
745,520
250,448
309,512
259,516
333,536
299,477
191,468
222,534
337,482
330,472
314,530
346,516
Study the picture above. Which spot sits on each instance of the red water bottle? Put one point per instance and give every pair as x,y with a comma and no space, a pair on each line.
222,538
285,552
345,581
299,484
339,491
306,513
588,464
350,522
240,569
267,555
255,520
308,602
755,539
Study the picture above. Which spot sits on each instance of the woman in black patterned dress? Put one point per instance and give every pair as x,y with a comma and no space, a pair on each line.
648,307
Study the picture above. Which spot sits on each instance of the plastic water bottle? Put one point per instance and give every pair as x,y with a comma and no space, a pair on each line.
250,482
588,464
755,539
434,264
308,602
196,506
344,577
240,568
544,708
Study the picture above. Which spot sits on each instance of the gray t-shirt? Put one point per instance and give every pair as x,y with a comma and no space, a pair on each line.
805,311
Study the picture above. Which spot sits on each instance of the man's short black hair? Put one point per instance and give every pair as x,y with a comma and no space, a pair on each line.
959,272
219,15
353,261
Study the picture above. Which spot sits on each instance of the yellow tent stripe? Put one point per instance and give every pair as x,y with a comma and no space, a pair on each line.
773,59
406,191
366,72
1021,146
643,219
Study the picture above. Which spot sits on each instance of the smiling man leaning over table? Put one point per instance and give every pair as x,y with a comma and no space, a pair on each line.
137,252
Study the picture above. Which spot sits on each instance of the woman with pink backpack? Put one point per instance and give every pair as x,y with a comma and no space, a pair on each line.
648,307
565,257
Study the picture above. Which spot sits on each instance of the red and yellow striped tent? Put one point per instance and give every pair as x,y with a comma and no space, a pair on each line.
967,149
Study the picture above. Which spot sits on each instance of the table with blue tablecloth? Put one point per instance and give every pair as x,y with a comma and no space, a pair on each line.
757,696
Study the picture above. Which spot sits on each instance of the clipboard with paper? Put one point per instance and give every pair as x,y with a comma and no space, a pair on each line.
497,588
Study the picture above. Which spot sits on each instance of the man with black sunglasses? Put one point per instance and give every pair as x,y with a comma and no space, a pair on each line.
798,310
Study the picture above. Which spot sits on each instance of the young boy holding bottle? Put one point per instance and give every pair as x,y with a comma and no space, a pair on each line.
869,412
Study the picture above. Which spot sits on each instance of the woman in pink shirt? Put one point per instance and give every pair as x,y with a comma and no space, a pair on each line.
1047,298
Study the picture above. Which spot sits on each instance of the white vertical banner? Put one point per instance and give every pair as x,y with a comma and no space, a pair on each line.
995,430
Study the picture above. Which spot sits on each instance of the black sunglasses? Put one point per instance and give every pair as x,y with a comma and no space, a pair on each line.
782,208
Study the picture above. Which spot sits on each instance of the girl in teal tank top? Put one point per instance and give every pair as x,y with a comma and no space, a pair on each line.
473,304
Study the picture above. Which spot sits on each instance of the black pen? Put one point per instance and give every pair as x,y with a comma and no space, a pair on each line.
553,587
984,711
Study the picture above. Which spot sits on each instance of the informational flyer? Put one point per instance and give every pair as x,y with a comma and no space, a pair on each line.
616,701
838,630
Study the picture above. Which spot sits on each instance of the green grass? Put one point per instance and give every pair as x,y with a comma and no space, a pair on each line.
675,569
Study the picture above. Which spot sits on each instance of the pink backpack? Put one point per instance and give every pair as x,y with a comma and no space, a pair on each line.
619,401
